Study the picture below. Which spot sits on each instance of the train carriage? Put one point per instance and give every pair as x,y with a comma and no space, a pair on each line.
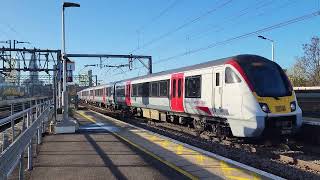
243,95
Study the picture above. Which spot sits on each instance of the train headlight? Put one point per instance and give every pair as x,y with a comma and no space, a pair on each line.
264,107
293,106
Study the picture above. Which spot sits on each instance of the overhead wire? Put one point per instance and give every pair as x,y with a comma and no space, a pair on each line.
233,17
222,28
158,16
234,24
232,39
239,14
227,41
194,20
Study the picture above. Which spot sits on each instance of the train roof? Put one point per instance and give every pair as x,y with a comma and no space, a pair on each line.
242,57
238,58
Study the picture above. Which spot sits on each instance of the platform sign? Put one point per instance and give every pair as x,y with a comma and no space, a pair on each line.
59,66
70,69
70,66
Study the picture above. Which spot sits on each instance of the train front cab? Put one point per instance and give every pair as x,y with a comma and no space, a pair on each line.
268,103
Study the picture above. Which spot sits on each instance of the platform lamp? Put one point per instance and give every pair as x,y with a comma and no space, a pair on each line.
65,95
272,44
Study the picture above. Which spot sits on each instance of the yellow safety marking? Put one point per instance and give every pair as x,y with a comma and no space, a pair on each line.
199,159
164,144
179,149
87,117
229,172
256,176
154,139
146,151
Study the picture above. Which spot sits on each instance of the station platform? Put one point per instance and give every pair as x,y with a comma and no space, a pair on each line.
106,148
311,121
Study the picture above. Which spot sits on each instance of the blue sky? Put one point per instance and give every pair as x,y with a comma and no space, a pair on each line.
118,26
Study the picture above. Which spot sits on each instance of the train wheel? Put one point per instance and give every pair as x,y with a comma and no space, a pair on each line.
198,125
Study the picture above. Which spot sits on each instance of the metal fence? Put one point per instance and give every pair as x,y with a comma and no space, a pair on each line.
35,119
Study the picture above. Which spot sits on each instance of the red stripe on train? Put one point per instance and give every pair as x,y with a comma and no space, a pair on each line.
204,109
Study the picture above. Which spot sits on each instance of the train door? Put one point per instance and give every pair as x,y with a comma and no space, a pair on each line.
128,93
104,90
176,94
217,81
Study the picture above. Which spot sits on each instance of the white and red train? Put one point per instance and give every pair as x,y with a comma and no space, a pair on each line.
243,96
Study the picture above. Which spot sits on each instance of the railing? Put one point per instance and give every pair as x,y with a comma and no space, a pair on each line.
34,122
10,107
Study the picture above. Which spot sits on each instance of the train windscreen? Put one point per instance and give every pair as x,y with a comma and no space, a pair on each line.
267,78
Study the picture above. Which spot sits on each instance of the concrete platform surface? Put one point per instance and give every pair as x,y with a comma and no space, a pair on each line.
94,155
188,160
311,121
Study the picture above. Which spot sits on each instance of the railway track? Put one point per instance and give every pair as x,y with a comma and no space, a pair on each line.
292,160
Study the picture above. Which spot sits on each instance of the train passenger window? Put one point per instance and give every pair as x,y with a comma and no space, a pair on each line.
145,89
174,88
99,92
163,88
134,91
120,91
154,89
217,79
111,91
193,87
231,76
179,88
140,90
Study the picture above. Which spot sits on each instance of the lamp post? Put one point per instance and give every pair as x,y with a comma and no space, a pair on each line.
272,44
65,94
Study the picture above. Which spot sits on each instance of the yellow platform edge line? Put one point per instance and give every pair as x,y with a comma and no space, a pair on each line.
145,151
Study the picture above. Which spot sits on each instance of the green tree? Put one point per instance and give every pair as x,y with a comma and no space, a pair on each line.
306,70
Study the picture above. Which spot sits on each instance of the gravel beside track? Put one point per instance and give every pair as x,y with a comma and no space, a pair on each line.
292,160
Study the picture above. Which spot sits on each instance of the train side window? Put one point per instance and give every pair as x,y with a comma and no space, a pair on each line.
217,79
134,90
193,87
145,89
108,93
111,91
140,90
154,89
120,92
231,76
163,88
174,88
179,88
